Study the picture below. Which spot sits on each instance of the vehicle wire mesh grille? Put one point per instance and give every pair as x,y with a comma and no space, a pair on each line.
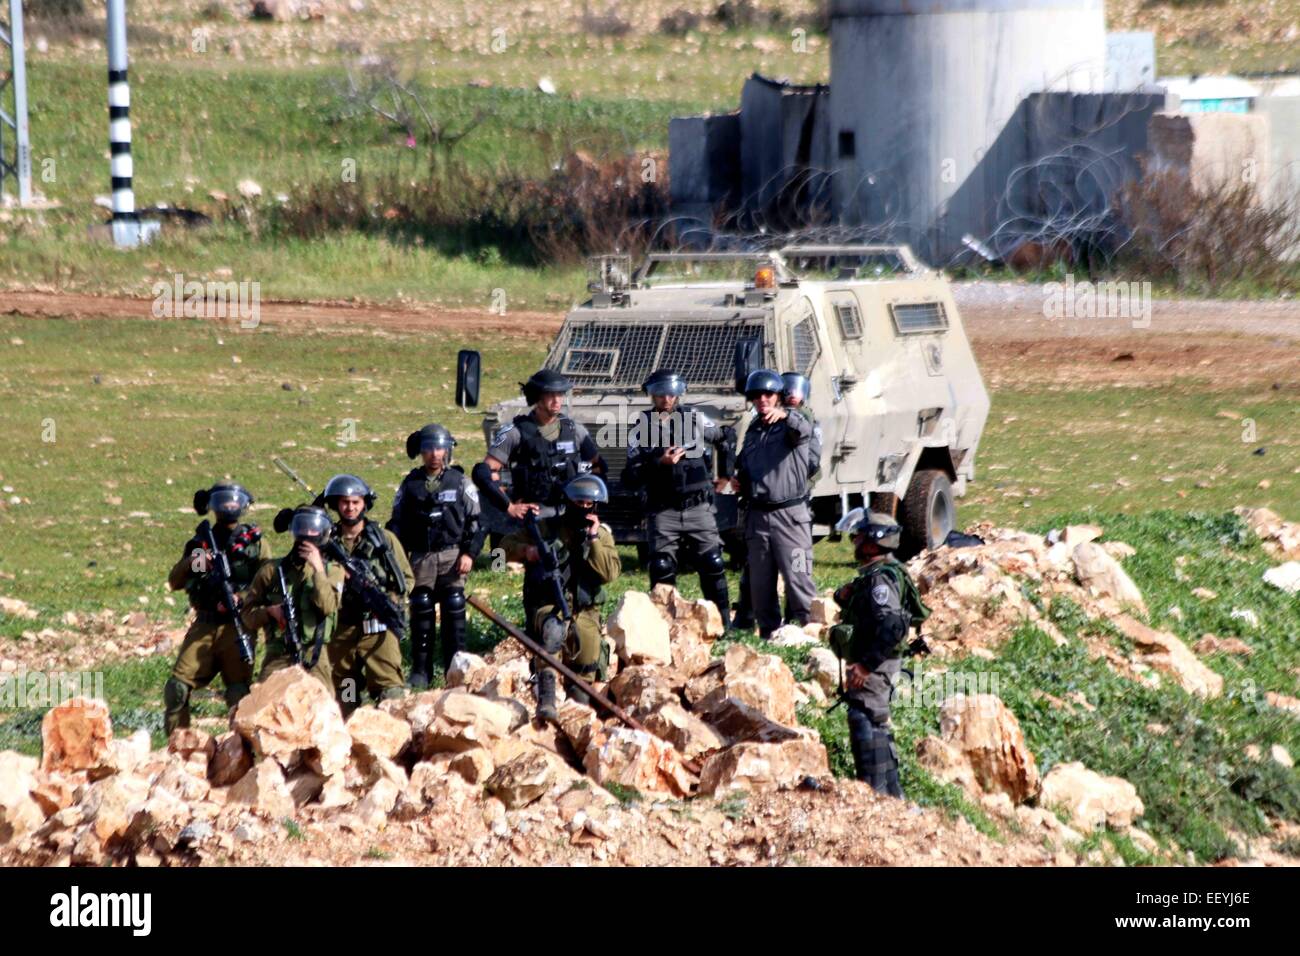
917,317
596,354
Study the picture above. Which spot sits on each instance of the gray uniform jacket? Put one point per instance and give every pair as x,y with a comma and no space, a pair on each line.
771,467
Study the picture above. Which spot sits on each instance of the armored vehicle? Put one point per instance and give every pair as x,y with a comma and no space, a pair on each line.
895,387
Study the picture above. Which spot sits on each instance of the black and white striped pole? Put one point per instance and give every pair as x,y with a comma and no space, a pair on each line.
127,229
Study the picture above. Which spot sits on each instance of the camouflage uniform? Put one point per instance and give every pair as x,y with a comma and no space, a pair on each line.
211,646
361,647
587,566
317,598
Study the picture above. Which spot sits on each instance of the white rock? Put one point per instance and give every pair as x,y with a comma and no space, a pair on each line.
1286,577
640,630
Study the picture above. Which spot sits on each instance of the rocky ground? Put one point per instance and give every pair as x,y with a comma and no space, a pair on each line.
721,772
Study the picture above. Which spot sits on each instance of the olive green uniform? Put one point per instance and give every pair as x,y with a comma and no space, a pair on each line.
211,646
588,564
316,597
354,654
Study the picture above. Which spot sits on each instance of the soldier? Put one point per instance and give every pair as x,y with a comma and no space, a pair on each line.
879,606
772,476
211,644
316,586
435,516
363,647
669,457
587,561
795,395
543,450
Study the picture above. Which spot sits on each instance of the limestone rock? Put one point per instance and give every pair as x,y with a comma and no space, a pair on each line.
1080,533
639,630
109,806
469,671
824,667
683,730
292,717
738,722
476,765
76,735
263,788
760,680
579,724
378,803
51,791
792,635
823,610
230,761
381,734
522,780
641,688
699,618
757,766
1285,577
636,759
186,741
985,732
304,785
1091,799
691,654
1166,653
1210,644
463,721
19,812
1097,570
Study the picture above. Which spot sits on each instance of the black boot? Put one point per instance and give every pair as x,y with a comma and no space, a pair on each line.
546,710
875,757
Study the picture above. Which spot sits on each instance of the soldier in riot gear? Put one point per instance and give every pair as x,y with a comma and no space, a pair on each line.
795,396
542,450
312,582
587,560
879,606
670,459
211,644
772,477
436,519
363,648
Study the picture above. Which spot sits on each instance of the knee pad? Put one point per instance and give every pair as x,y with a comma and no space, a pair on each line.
663,568
235,693
423,605
453,603
176,694
711,563
553,634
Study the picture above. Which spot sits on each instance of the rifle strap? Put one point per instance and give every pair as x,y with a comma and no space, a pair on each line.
317,644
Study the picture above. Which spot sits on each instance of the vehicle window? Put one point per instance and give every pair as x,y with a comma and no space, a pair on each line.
850,319
804,345
912,318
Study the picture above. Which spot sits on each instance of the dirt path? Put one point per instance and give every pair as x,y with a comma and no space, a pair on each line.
1221,344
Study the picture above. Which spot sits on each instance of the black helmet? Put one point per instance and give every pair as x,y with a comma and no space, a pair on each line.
664,382
796,385
312,524
586,488
226,500
542,382
878,527
763,380
344,485
430,436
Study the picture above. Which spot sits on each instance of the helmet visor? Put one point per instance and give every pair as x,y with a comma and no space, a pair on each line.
667,386
312,526
228,502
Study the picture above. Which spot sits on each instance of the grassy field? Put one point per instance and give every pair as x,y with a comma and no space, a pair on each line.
141,413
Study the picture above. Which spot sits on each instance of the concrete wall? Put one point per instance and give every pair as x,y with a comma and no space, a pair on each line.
925,88
1213,149
1283,115
703,167
783,134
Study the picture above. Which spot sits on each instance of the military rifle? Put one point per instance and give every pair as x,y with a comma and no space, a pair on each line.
219,568
292,633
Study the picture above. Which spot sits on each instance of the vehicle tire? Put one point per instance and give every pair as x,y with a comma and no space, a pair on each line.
927,514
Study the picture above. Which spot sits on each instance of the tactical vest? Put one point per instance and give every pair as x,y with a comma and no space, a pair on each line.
242,547
432,520
315,627
844,636
690,477
372,547
539,468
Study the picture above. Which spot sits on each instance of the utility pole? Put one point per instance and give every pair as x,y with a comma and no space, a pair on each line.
15,77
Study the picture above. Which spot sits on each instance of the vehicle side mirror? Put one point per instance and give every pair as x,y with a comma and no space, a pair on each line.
468,366
748,358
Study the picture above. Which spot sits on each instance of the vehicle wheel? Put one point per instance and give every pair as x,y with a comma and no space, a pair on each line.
927,514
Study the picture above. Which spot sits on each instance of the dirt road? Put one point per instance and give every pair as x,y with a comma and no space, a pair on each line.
1218,343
